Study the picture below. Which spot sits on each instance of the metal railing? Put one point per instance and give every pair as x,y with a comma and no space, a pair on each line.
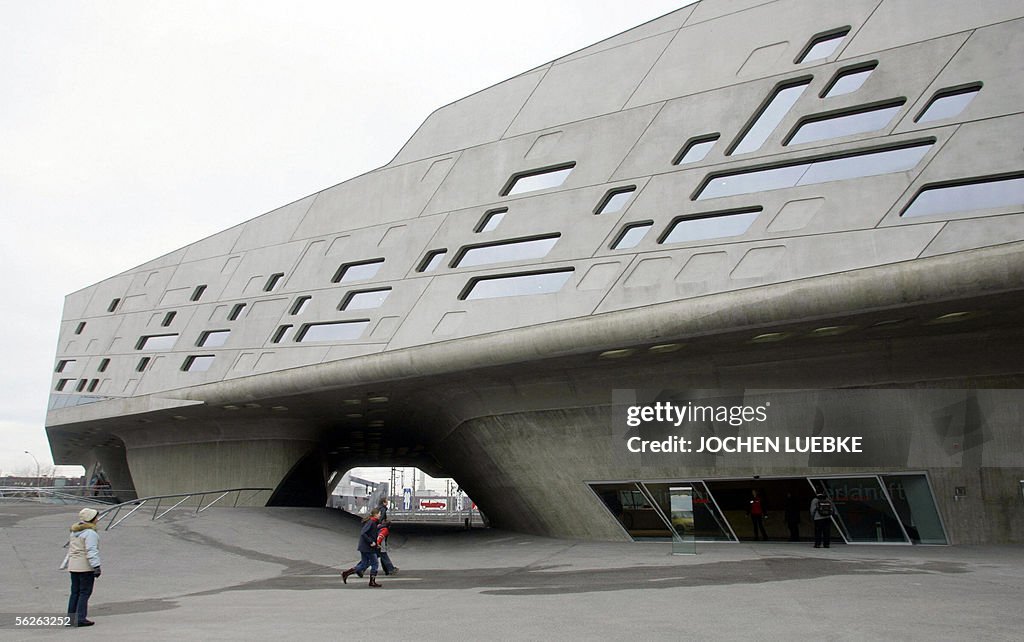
136,504
53,495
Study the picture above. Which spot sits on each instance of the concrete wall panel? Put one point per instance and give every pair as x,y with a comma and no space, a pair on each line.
381,196
272,227
477,119
990,56
591,86
897,22
685,68
597,146
666,23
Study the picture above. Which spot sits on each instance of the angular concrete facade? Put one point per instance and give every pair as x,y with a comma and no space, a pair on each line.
735,196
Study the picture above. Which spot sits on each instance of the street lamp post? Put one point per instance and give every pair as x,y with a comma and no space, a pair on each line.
37,466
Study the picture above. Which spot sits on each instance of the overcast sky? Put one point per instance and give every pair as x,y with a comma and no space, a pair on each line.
131,128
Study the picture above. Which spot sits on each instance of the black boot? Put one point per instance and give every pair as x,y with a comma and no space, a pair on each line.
373,580
345,574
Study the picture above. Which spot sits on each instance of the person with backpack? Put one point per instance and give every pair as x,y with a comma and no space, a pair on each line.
83,564
821,512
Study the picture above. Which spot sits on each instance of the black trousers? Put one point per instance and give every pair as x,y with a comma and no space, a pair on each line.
822,532
758,521
81,589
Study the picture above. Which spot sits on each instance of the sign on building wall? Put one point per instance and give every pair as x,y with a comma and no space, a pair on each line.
434,504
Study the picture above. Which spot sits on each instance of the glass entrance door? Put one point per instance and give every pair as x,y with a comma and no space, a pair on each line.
912,497
696,515
863,512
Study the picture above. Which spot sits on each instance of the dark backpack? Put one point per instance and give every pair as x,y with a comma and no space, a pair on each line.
825,507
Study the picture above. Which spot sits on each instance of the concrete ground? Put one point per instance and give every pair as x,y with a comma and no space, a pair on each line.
249,573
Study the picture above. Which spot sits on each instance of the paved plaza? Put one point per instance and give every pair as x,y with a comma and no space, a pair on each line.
268,573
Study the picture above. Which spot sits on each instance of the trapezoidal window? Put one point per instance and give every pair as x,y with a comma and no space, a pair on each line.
198,362
80,327
358,271
273,282
300,304
104,364
822,46
849,80
814,170
113,305
846,123
168,318
280,333
631,235
143,364
213,338
64,364
948,103
92,385
62,384
365,299
432,260
615,200
696,149
769,116
490,220
81,385
236,311
710,226
967,195
537,179
198,292
337,331
518,250
156,342
525,284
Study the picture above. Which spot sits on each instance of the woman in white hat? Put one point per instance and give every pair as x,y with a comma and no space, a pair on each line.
84,564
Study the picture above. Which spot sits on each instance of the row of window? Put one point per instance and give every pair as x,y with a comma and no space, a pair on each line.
946,103
936,199
947,198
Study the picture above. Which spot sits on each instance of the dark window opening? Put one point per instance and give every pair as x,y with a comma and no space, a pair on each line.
432,260
358,271
537,179
490,220
615,200
822,45
273,282
696,149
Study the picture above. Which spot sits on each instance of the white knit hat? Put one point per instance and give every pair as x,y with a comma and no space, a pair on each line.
87,514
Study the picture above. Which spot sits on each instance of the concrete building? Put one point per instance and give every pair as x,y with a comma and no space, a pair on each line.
821,199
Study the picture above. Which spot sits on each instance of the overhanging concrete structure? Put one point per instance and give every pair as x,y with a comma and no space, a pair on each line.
736,196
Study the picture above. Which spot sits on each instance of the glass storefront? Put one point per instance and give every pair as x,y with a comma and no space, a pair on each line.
896,508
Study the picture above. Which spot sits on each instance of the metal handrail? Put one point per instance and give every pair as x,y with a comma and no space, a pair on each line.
140,502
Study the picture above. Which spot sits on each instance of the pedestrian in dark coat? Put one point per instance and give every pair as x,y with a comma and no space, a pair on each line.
367,549
757,514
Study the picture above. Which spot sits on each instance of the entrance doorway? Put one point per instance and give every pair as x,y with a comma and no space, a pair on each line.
794,493
893,508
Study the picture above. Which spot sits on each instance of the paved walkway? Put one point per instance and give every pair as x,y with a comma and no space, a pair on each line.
234,574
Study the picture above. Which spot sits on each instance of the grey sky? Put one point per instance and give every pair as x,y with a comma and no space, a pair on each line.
131,128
